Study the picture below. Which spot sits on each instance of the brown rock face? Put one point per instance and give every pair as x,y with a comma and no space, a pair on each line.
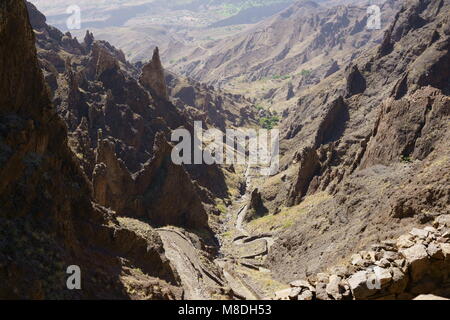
213,108
309,165
105,63
37,19
47,218
407,128
153,192
406,131
256,206
356,83
152,77
111,179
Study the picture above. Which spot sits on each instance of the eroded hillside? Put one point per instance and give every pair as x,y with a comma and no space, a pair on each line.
365,152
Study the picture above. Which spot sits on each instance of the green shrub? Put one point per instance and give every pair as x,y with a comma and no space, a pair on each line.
269,122
406,158
305,73
259,107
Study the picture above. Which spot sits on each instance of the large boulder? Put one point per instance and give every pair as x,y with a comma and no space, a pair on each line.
417,258
358,285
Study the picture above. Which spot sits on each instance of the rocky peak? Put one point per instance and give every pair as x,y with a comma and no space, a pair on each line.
356,83
334,67
103,59
88,39
256,206
37,19
152,77
386,46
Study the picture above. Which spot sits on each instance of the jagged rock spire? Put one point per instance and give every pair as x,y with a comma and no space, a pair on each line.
88,39
152,77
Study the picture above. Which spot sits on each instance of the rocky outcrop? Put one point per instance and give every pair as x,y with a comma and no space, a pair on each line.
309,166
332,69
104,61
152,77
406,129
314,159
37,19
414,264
333,124
112,182
256,207
151,191
356,83
386,46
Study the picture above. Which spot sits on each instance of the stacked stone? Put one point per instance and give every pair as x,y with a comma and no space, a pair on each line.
414,264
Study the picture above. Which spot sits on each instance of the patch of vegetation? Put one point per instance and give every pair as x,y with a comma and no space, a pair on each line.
305,73
269,122
230,8
406,158
259,107
222,208
232,180
281,77
288,216
264,280
227,235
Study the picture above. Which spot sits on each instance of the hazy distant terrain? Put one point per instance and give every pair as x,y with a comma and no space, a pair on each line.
120,12
137,26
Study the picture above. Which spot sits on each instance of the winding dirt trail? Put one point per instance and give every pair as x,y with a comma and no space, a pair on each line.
193,274
245,251
197,278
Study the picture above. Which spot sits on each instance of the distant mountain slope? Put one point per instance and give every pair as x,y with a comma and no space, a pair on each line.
138,26
300,45
252,15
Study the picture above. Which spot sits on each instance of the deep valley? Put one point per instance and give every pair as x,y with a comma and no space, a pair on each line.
351,203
